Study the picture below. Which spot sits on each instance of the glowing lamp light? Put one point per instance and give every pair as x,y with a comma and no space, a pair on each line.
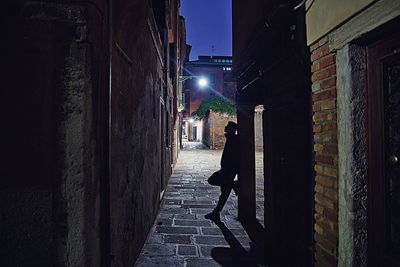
191,120
202,82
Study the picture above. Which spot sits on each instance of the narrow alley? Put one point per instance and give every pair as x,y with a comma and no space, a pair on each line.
114,114
181,236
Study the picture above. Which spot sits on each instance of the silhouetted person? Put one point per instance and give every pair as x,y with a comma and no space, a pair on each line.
229,168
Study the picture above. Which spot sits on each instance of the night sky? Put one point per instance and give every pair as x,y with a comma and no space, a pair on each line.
208,23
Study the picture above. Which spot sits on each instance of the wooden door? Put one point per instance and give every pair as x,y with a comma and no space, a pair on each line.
384,152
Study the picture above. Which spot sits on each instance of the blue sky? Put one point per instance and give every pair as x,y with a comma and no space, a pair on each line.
208,23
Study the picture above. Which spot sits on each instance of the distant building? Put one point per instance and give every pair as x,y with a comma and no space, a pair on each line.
216,69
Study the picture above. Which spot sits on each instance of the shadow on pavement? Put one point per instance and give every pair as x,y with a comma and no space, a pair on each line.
236,255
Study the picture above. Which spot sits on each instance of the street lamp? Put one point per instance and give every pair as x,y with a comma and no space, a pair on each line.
202,81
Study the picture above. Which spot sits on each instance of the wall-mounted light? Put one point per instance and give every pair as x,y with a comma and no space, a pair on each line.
191,120
202,81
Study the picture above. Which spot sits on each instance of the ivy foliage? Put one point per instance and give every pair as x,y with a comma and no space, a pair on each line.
216,104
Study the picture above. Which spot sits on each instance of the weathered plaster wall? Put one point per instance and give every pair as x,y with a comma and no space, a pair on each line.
135,144
365,22
335,12
79,83
355,19
351,110
51,203
54,201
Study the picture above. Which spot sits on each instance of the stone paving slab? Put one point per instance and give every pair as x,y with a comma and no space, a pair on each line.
181,236
192,222
160,261
217,231
160,250
210,240
184,250
178,239
176,230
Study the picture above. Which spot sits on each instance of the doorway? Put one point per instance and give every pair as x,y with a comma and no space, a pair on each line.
194,133
383,60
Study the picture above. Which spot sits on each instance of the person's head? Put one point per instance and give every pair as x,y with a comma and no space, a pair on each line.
231,127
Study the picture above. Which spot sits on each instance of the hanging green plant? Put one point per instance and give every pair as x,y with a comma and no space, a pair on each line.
216,104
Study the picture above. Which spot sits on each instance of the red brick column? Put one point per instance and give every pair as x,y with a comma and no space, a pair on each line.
326,156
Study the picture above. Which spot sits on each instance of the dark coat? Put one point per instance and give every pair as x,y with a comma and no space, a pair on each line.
230,159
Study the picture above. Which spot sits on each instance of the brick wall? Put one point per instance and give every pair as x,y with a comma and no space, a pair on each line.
326,156
214,129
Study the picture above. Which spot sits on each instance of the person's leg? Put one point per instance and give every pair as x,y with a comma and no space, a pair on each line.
235,187
214,215
225,191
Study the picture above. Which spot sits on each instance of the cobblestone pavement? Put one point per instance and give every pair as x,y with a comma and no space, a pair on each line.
181,236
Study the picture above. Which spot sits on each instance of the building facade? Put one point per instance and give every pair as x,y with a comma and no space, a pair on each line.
355,81
89,118
216,69
326,73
